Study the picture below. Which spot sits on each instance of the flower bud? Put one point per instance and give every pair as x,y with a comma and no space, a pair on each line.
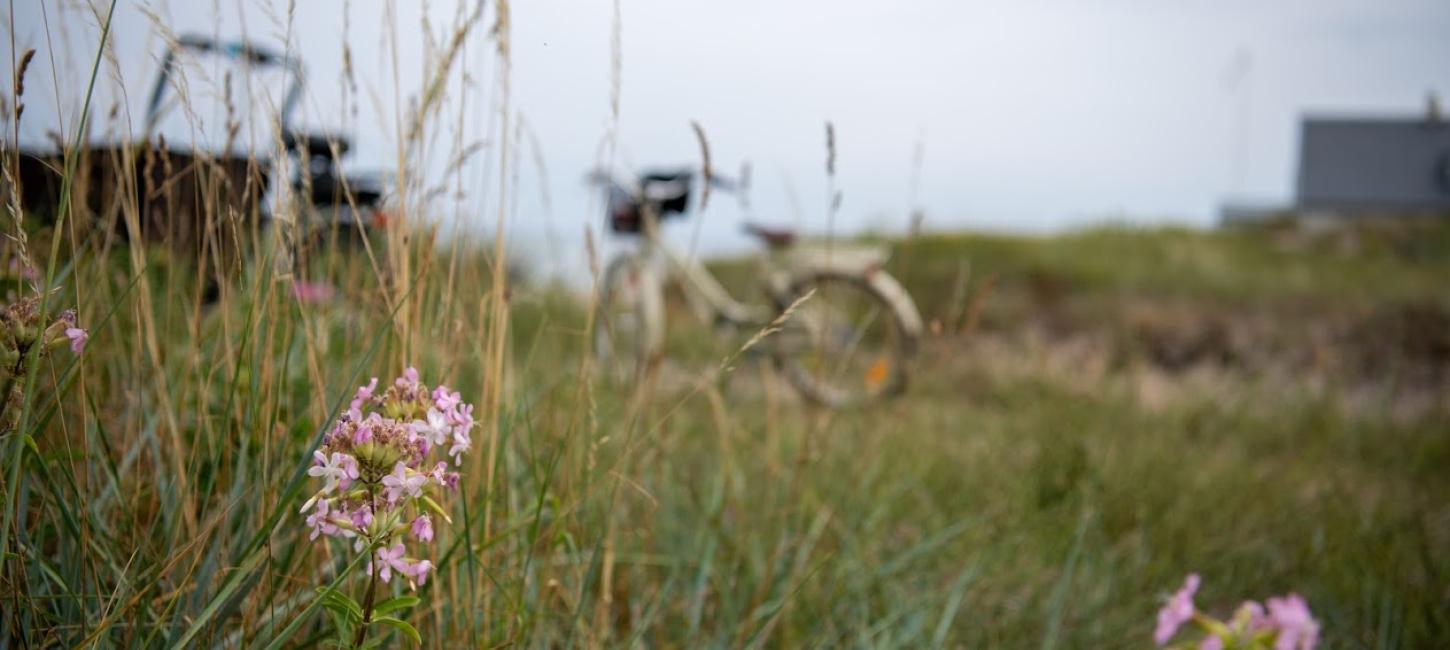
54,335
24,334
62,333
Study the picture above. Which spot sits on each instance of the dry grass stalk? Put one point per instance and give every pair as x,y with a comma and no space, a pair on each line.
913,183
233,125
773,327
705,172
956,304
541,170
501,29
833,196
13,197
349,75
20,71
830,149
616,64
497,338
974,311
441,66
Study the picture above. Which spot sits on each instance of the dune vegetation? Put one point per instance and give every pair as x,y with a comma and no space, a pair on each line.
1093,416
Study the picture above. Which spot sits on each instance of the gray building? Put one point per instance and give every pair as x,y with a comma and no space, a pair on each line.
1364,166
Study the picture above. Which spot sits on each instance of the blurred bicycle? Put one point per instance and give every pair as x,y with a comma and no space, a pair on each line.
850,342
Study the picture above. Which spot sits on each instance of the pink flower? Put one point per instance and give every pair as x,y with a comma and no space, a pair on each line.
420,571
1177,611
409,379
350,471
1211,643
391,559
462,417
364,393
320,520
443,477
340,518
377,463
78,338
445,400
403,483
362,518
336,470
362,435
1297,628
435,427
461,443
423,529
311,292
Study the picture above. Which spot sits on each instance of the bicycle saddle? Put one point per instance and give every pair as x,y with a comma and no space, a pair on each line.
668,190
773,237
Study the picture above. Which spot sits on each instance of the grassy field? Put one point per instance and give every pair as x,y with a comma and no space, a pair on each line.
1094,416
1097,415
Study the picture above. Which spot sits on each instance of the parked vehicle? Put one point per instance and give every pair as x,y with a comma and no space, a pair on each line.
194,199
327,206
850,332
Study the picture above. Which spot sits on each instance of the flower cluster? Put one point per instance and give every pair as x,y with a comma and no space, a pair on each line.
21,332
378,486
1285,624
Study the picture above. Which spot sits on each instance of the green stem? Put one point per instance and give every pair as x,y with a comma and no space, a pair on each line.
362,629
367,617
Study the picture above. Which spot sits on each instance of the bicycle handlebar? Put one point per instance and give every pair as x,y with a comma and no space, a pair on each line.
603,178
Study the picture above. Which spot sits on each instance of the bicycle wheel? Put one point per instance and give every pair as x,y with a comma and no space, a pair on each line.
629,324
852,341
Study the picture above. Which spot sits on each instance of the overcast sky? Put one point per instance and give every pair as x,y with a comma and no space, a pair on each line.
1030,114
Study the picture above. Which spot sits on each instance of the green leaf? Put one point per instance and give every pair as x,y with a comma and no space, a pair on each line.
340,603
433,505
394,604
282,637
401,626
344,628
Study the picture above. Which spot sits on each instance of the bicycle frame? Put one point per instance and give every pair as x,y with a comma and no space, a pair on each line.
706,296
712,302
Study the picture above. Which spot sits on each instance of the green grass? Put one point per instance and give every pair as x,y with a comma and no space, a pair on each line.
1095,415
1375,262
1011,499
